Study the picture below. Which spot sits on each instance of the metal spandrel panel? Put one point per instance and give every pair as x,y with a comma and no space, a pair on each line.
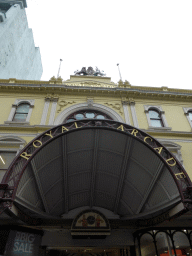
131,197
49,152
78,200
104,200
81,139
108,162
145,157
106,183
139,177
79,182
110,140
80,161
50,174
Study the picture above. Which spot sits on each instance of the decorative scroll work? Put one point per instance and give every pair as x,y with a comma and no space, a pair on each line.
116,106
17,168
64,103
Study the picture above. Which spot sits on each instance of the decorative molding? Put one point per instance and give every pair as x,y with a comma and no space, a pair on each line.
66,112
64,103
116,106
90,102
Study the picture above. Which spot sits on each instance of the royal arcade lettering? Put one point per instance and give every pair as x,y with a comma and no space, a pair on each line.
38,143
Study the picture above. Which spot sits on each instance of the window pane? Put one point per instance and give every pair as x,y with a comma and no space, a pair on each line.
23,108
100,117
90,115
20,117
154,114
5,159
156,123
190,115
79,116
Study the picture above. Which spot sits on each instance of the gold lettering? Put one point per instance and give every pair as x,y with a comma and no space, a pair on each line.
49,134
39,145
171,159
159,149
25,155
180,175
77,126
134,132
121,127
64,128
147,138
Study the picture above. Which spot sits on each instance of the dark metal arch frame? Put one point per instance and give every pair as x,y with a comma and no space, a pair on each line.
169,231
9,184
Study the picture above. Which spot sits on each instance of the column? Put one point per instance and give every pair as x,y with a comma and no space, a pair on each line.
126,111
45,111
53,110
133,113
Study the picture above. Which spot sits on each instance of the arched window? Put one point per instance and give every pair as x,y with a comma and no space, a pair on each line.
155,118
88,113
21,112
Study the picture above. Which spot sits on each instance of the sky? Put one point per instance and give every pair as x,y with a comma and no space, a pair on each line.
150,39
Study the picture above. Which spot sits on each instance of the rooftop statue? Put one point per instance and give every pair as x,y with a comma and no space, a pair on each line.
89,72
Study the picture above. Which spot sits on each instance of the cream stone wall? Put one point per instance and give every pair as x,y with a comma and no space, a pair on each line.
101,91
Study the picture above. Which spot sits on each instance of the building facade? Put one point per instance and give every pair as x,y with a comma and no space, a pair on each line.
95,167
19,58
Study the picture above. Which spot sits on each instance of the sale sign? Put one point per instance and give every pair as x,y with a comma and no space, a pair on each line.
22,243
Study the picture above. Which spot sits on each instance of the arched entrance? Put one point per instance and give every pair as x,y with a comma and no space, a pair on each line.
104,165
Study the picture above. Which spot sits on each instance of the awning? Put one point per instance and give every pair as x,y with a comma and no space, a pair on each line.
95,163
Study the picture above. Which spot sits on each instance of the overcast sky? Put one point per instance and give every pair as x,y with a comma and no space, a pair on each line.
150,39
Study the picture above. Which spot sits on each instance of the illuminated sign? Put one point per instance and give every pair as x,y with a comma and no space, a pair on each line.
22,243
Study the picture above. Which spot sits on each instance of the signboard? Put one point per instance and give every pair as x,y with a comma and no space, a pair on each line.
22,244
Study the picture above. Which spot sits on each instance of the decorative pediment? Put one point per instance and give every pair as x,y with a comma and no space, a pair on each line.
90,222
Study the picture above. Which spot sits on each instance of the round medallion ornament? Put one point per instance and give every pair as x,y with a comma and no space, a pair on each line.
91,220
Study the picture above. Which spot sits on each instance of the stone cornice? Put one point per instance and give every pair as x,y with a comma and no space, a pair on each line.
109,89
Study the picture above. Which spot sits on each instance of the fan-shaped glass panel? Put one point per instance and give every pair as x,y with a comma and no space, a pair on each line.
79,116
70,120
89,115
100,117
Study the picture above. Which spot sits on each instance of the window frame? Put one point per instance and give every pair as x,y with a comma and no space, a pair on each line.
158,109
186,112
14,108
